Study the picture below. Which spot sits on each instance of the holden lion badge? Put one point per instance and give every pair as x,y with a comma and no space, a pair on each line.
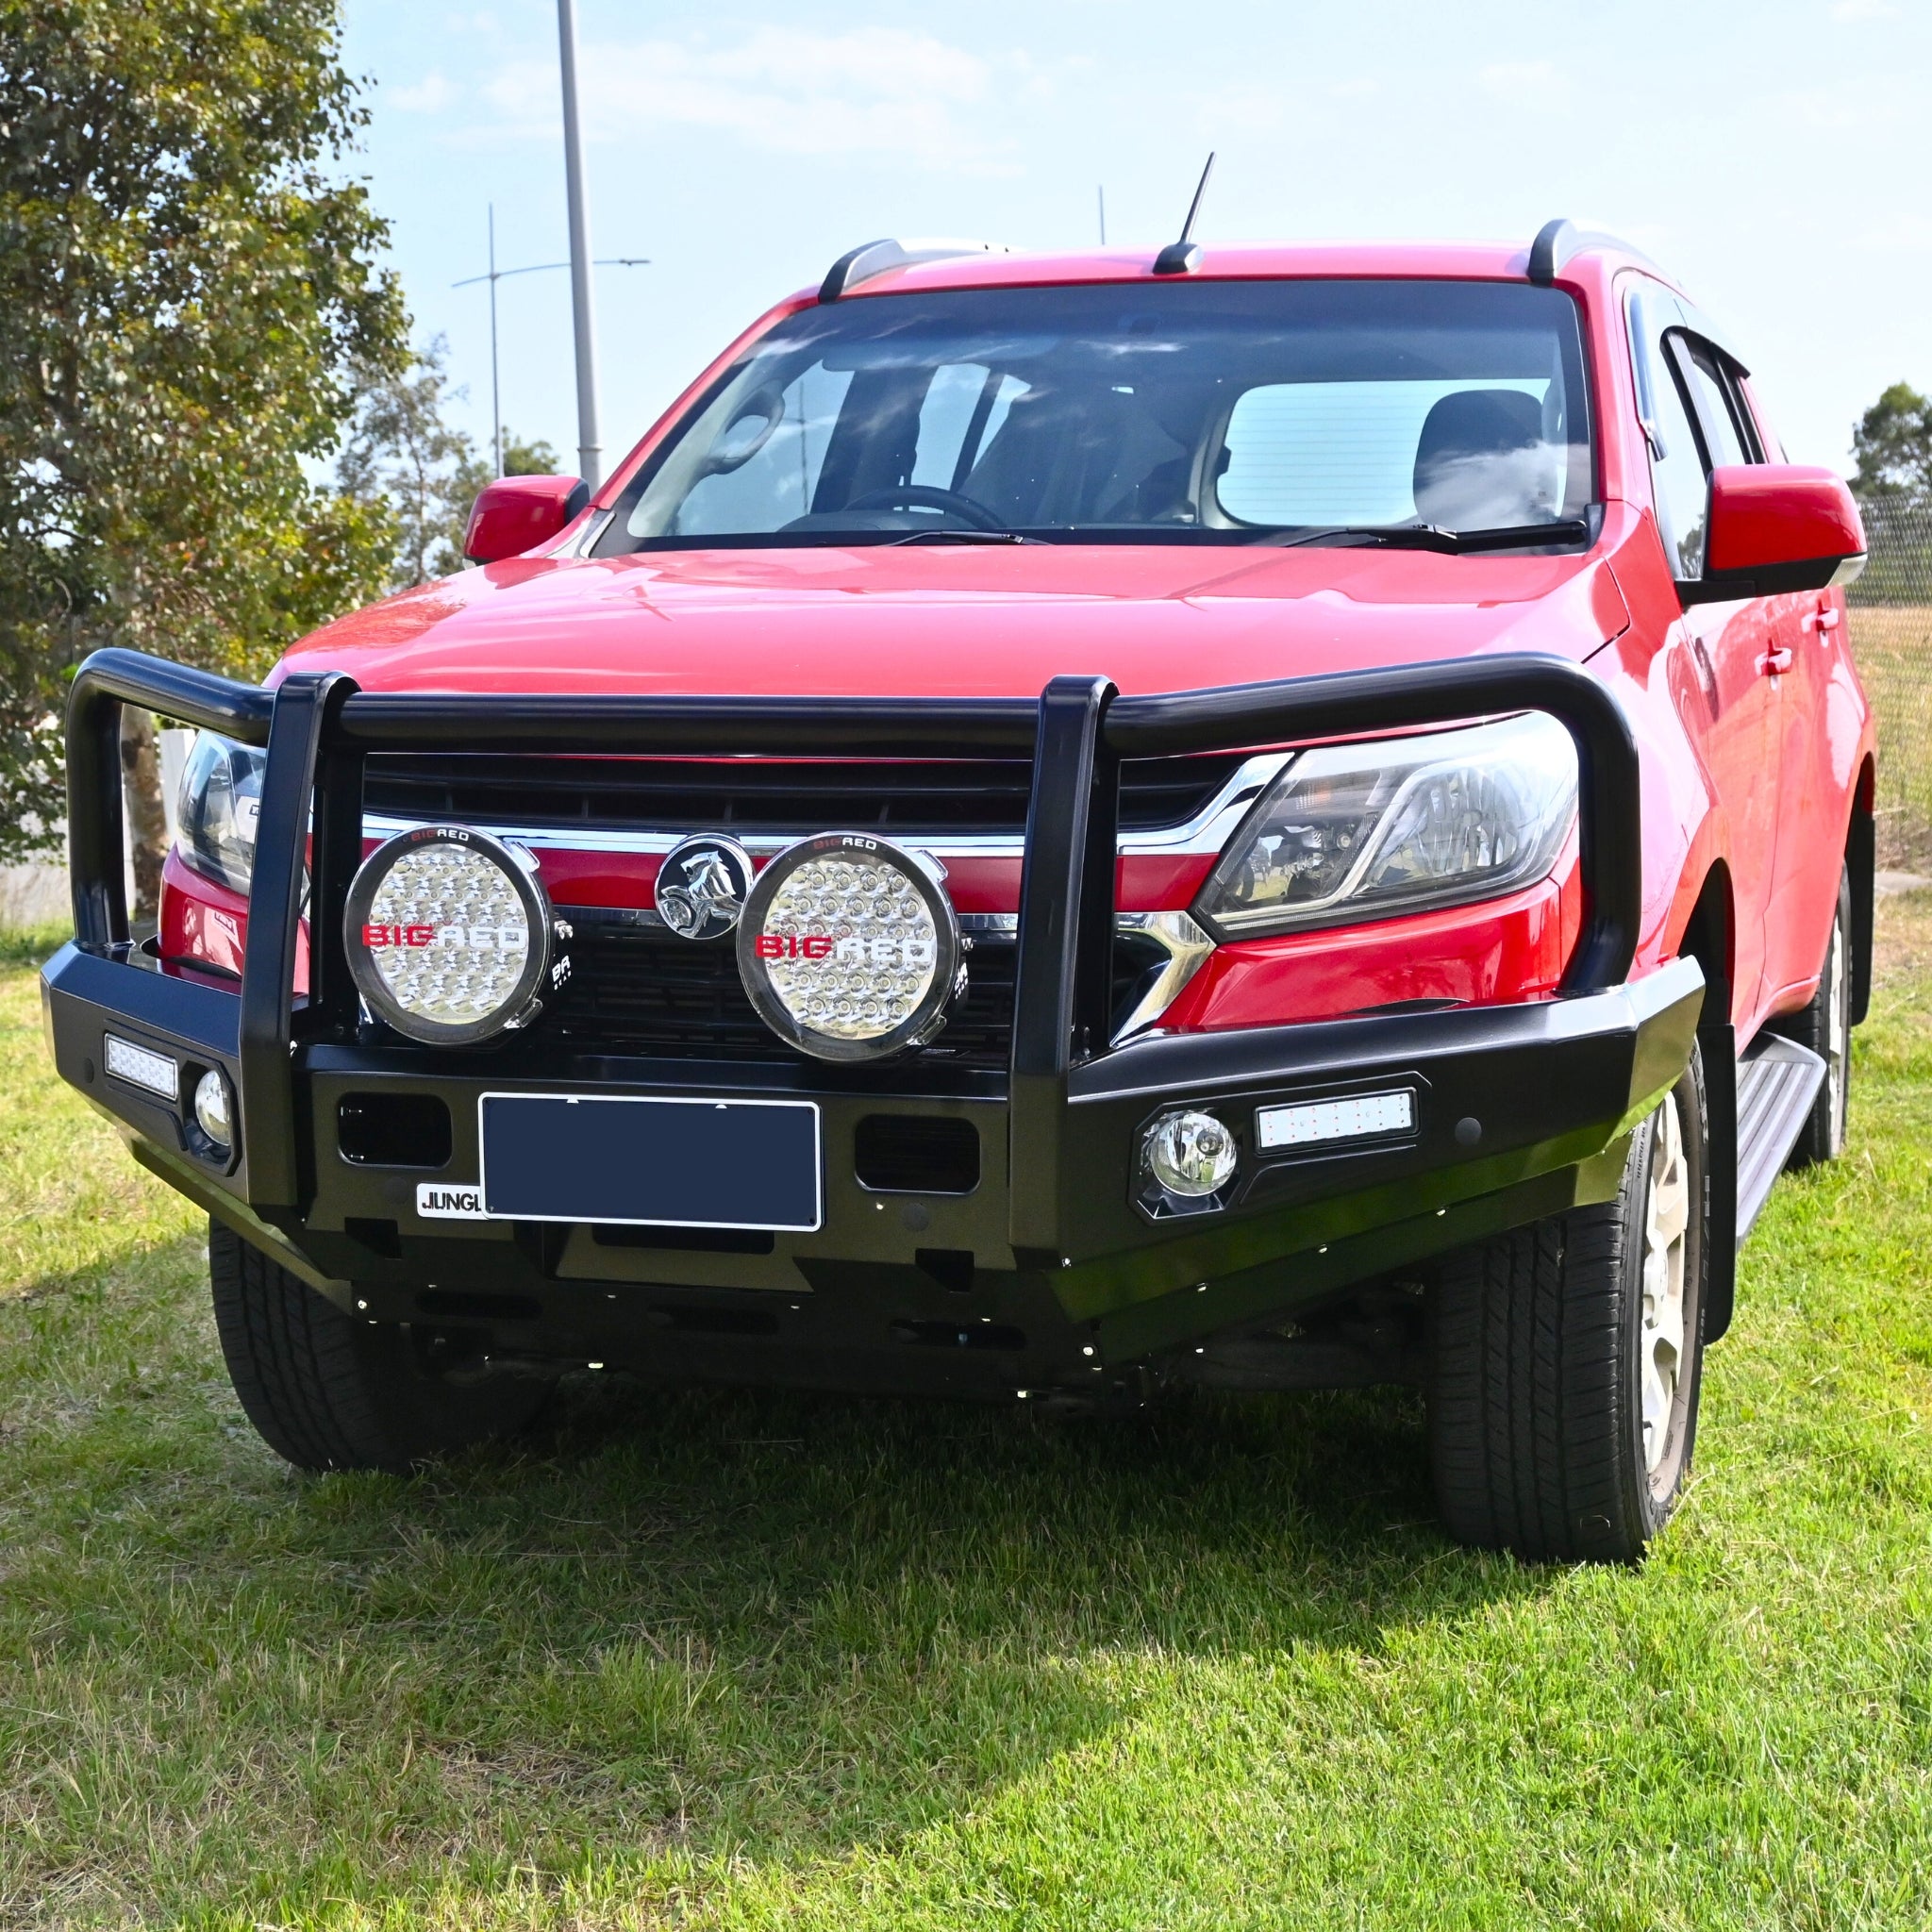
702,887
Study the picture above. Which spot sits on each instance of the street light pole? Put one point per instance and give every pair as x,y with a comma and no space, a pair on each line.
590,447
495,386
497,275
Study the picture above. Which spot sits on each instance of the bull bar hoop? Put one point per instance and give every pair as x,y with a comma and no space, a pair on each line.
318,729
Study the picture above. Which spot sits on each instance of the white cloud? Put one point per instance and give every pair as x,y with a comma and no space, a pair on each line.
430,96
872,90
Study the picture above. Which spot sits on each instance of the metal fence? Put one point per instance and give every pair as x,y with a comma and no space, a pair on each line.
1891,638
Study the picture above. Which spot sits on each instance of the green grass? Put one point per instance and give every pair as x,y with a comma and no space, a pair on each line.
1892,644
728,1660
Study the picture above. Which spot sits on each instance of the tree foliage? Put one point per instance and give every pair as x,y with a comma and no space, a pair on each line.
402,461
187,283
1893,445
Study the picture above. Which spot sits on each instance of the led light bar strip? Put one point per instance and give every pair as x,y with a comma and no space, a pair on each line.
140,1067
1354,1118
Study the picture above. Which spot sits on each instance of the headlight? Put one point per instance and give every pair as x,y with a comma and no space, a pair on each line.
448,936
849,948
1365,831
216,809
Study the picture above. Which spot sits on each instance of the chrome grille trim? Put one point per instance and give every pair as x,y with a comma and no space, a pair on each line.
1207,832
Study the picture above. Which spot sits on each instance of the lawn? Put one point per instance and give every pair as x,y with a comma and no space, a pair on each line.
1893,646
725,1660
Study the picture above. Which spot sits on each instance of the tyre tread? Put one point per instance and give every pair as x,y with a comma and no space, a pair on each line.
292,1355
1526,1407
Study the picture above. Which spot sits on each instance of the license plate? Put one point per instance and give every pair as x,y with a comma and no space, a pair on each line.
647,1162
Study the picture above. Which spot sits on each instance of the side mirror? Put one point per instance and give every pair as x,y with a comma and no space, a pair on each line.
1774,528
516,513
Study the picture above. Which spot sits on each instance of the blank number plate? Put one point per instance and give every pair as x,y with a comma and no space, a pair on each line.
651,1163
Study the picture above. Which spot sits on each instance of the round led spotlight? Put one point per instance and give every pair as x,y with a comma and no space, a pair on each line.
448,935
848,948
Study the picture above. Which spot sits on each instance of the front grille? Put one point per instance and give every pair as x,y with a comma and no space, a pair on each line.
635,987
799,796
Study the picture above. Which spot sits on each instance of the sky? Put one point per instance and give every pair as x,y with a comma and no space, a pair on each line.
1775,157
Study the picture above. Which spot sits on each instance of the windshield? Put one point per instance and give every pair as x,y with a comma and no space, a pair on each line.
1176,411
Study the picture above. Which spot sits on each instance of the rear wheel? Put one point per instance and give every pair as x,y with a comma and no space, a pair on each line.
1826,1026
1565,1360
327,1391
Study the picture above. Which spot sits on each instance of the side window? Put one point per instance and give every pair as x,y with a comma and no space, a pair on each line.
1678,474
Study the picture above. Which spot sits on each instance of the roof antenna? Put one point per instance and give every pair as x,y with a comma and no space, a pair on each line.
1183,258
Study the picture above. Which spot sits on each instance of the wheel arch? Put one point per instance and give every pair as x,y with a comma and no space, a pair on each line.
1710,938
1861,864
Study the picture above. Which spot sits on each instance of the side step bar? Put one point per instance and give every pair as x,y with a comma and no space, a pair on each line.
1778,1081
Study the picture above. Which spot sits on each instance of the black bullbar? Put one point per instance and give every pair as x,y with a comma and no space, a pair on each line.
1511,1108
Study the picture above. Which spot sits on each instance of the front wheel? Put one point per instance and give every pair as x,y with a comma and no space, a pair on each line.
327,1391
1565,1360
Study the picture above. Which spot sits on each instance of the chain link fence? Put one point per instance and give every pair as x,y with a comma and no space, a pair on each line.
1891,622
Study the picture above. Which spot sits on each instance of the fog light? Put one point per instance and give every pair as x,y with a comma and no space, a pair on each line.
1191,1154
212,1109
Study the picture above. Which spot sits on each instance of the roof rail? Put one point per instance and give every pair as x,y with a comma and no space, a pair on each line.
1557,243
874,258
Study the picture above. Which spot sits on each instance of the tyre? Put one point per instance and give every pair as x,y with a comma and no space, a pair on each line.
1826,1027
1565,1359
327,1391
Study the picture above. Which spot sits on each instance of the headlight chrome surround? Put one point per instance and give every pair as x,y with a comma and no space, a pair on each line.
806,943
1374,829
216,809
422,907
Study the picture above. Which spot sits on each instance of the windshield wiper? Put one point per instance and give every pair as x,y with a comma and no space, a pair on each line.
967,536
1430,535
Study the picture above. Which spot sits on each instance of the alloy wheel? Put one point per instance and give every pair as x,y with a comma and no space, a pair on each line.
1666,1231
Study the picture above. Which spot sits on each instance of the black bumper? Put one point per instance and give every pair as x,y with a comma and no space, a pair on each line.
1049,1269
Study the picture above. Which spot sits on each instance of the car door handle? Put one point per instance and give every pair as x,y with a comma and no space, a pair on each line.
1774,663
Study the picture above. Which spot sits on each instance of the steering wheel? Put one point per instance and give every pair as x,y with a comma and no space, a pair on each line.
928,496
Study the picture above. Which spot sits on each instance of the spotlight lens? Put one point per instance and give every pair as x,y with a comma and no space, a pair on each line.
448,935
848,948
1190,1153
212,1109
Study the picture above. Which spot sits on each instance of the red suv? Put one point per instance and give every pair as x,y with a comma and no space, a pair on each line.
1266,818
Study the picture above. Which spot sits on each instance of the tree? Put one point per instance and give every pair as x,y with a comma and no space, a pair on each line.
188,281
1893,445
401,460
